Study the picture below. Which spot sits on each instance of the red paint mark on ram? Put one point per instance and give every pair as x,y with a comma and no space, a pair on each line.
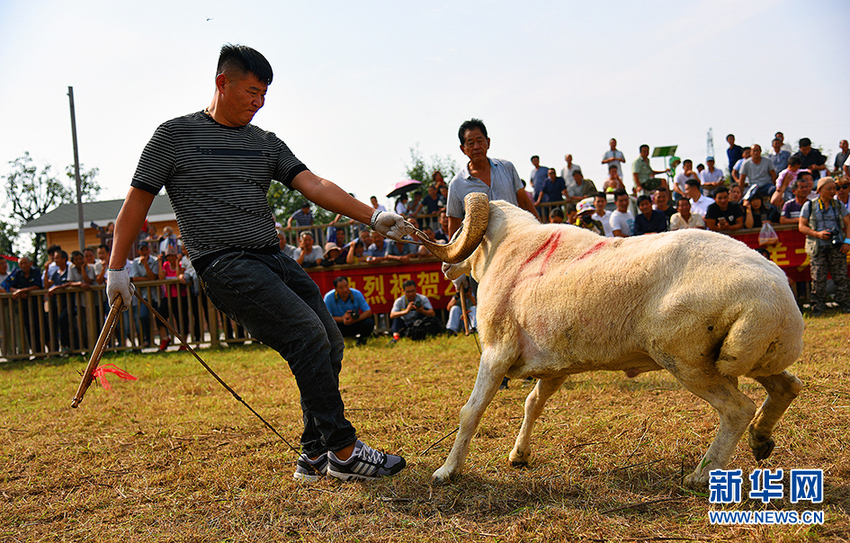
594,248
549,246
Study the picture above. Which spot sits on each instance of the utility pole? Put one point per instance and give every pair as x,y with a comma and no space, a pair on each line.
709,143
80,231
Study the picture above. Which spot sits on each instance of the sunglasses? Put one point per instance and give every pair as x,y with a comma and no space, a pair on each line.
843,186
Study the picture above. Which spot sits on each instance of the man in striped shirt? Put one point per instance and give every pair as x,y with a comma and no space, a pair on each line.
216,168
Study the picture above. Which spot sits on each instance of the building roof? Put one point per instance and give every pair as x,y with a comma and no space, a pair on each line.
64,217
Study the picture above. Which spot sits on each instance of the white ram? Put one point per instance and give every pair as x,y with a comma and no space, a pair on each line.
555,300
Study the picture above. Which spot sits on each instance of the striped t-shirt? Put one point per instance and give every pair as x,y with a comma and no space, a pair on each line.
217,178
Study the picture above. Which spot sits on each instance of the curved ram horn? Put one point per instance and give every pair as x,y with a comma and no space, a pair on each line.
477,208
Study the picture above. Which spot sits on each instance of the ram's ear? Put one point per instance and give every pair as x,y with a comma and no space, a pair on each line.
470,234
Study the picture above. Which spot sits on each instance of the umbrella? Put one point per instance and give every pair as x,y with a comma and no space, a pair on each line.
403,187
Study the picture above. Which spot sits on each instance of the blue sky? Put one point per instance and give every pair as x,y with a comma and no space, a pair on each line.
358,84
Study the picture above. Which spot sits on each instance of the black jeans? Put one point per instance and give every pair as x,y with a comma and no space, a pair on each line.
278,303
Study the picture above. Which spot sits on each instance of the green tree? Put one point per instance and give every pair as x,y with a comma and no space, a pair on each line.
285,202
31,192
423,171
8,233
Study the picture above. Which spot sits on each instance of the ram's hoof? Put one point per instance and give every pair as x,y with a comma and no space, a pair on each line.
764,450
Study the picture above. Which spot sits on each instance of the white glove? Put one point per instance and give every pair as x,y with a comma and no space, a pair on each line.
118,284
390,225
461,281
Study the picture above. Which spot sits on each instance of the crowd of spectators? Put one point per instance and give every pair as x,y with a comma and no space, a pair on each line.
775,188
66,304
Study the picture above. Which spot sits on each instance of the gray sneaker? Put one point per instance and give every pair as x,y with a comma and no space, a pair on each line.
310,470
365,463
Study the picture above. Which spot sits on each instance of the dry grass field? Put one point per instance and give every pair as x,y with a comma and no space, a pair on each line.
173,457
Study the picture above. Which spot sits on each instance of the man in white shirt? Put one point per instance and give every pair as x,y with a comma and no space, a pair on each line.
568,170
699,202
622,221
601,214
682,177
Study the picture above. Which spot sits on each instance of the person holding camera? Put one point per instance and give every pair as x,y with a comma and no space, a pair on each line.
350,311
826,223
408,309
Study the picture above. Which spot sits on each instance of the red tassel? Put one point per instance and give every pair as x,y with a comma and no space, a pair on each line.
101,371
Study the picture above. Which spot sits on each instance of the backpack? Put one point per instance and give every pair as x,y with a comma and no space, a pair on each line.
424,327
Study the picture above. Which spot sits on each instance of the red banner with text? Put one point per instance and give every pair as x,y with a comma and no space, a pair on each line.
381,284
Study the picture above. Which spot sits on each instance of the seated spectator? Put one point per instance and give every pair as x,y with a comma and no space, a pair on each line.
55,283
410,309
423,251
430,205
801,187
174,300
400,251
82,276
441,233
736,195
711,178
455,324
375,205
21,282
350,311
144,268
102,264
168,240
662,202
438,179
307,254
699,202
88,255
783,191
584,212
722,215
736,168
811,159
553,187
336,234
683,218
285,248
622,221
779,156
826,224
580,189
649,221
571,213
401,205
414,207
444,196
354,252
556,216
332,255
843,187
758,171
365,236
614,180
377,252
302,217
602,215
152,239
679,187
757,212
